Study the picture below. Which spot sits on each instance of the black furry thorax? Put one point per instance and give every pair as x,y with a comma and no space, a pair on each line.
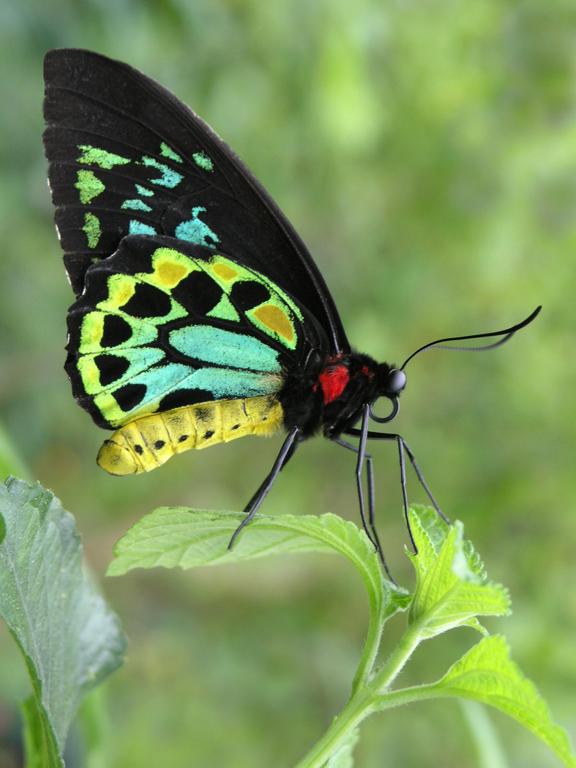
328,394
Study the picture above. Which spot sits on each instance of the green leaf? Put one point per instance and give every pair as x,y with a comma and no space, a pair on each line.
69,637
451,584
187,538
39,744
343,757
487,674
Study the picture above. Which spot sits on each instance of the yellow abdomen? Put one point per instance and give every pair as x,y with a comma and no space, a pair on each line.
148,442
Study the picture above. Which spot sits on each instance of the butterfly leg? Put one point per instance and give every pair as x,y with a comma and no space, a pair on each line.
372,533
423,482
402,446
363,433
287,450
260,488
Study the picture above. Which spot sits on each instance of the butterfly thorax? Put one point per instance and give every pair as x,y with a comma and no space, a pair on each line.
330,393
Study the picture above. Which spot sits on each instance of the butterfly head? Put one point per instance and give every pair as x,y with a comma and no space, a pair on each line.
393,381
390,383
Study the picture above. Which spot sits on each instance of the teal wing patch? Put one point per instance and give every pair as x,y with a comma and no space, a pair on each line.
162,324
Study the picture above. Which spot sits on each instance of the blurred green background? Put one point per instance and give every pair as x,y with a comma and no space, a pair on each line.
426,151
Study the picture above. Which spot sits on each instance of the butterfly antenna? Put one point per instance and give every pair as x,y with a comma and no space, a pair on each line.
506,333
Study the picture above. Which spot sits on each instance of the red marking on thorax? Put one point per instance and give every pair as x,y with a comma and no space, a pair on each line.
367,372
333,381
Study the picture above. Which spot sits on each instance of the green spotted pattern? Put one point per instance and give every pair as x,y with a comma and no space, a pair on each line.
203,161
135,204
168,152
100,157
92,229
232,361
168,178
89,186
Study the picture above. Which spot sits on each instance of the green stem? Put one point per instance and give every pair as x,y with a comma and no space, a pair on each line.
405,696
370,650
394,664
365,699
358,707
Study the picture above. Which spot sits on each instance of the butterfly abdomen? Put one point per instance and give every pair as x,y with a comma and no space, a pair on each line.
148,442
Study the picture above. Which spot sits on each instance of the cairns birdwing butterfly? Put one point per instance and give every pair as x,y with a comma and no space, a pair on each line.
200,316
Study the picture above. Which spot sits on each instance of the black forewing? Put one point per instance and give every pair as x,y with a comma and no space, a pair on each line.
93,101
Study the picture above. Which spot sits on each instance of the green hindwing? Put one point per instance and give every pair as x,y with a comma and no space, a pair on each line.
162,324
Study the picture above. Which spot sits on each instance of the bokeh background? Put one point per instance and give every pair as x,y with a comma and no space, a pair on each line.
426,151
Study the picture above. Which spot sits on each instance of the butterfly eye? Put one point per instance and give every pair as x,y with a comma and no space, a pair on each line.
395,383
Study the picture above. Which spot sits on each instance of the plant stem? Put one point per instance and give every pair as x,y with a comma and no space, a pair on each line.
358,707
365,699
406,696
370,650
394,664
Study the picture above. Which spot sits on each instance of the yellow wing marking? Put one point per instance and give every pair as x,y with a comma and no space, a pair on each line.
120,291
92,330
225,271
148,442
170,267
276,319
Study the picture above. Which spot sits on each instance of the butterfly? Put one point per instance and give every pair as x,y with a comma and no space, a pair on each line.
200,315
